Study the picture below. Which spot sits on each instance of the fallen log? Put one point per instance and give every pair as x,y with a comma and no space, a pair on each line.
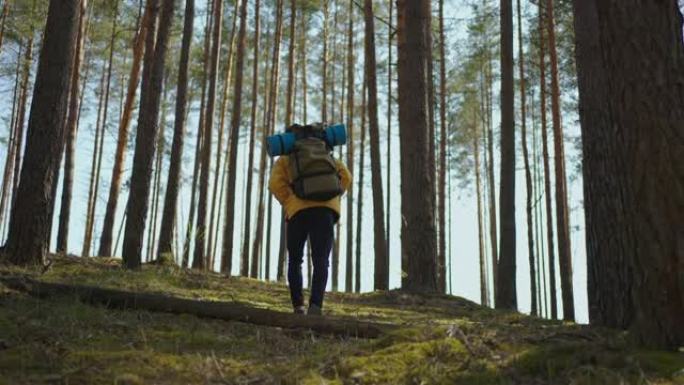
227,311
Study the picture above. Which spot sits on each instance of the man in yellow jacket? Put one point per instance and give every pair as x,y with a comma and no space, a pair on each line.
307,220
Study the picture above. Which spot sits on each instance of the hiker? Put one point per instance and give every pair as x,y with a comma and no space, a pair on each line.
308,184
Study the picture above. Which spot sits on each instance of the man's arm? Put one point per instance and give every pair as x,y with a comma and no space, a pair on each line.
345,176
279,184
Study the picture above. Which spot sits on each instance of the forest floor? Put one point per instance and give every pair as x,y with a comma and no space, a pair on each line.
437,339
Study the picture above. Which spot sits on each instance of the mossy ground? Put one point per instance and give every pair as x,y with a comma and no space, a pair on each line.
443,340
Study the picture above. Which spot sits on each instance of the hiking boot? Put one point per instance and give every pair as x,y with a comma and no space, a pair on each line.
300,310
314,310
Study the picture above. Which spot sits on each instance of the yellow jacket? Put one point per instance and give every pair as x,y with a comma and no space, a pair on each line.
279,186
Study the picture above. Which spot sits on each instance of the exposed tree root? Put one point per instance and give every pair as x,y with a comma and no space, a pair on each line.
227,311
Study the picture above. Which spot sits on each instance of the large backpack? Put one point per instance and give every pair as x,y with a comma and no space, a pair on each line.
314,171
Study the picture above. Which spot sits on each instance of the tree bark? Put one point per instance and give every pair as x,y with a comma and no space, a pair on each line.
173,181
235,131
28,236
148,125
197,264
547,169
359,201
201,232
442,147
71,131
220,169
506,295
528,174
419,235
351,62
608,256
254,272
93,209
562,211
147,23
645,102
380,242
484,291
390,101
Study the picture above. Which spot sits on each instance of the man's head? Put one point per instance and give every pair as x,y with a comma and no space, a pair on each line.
306,130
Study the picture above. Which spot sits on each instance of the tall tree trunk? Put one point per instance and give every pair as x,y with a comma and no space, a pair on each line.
359,201
506,295
380,242
442,144
349,271
608,256
272,113
147,22
484,292
528,174
93,209
432,155
650,71
547,169
235,131
170,210
324,81
71,131
254,273
28,236
419,235
197,264
220,171
148,125
562,211
3,20
156,188
491,178
20,132
88,230
11,146
257,246
390,38
201,233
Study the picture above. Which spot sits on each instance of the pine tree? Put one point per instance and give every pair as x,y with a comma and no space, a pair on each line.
28,230
173,180
148,126
419,238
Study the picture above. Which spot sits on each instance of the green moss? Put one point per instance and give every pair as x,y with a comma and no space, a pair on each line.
65,341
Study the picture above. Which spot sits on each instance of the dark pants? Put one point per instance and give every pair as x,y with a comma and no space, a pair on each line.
317,225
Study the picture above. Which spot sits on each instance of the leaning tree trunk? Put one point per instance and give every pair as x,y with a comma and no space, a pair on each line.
235,131
528,174
506,295
547,169
349,276
562,211
147,23
647,138
419,240
380,242
148,125
608,256
28,236
3,20
200,256
168,222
